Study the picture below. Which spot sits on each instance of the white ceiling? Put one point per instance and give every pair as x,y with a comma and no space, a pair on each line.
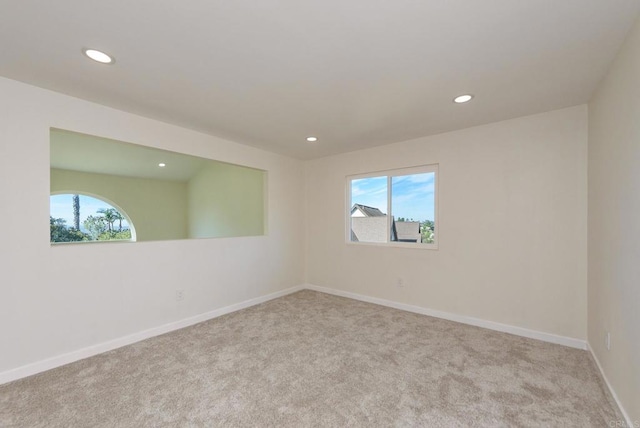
356,73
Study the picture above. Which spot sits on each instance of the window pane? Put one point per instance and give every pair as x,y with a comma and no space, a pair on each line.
369,209
413,208
80,218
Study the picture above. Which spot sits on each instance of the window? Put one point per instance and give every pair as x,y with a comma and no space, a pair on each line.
394,207
169,195
81,218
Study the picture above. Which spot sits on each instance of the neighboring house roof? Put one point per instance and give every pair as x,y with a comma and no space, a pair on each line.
367,211
369,224
369,229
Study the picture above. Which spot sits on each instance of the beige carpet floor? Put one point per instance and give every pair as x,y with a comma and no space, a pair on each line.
312,359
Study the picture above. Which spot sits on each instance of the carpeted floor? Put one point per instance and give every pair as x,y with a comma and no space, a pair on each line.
312,359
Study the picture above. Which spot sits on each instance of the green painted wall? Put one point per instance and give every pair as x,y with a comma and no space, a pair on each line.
157,208
226,200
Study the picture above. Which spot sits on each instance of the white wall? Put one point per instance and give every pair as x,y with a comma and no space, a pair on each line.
59,299
512,224
614,224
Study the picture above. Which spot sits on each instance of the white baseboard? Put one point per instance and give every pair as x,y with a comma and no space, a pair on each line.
611,390
70,357
491,325
60,360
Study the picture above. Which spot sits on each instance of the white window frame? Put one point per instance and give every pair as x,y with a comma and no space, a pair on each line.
423,169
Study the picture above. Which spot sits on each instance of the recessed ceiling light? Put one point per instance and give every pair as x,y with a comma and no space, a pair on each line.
162,165
463,99
312,139
98,56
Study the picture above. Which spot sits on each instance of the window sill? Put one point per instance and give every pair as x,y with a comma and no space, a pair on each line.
112,241
395,245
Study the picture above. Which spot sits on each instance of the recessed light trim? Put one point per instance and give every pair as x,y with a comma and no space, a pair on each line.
162,165
98,56
461,99
312,139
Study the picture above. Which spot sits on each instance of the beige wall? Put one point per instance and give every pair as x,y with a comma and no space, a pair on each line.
614,224
226,200
512,224
157,208
59,299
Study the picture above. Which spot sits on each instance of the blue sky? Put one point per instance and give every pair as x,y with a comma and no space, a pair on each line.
61,206
412,195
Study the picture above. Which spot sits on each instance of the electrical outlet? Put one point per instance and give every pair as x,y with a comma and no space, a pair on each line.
607,340
179,295
400,282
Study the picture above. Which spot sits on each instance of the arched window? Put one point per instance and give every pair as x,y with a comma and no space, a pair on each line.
75,217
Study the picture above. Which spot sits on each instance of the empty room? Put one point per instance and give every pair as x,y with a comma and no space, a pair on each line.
336,213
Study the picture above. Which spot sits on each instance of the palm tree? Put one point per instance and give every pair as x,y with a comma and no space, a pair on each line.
76,212
110,216
119,217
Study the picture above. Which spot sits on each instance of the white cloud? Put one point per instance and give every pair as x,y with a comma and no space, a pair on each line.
421,178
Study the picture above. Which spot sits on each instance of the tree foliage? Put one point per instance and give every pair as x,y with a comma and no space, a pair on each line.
119,217
113,235
61,233
99,227
95,226
110,216
427,231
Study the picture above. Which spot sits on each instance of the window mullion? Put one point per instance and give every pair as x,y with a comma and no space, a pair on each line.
388,209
